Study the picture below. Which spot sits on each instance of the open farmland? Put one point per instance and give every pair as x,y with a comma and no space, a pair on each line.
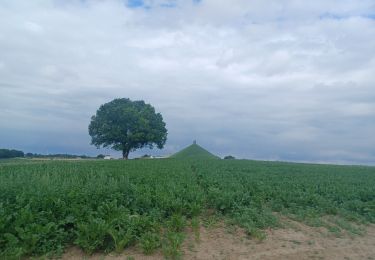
108,206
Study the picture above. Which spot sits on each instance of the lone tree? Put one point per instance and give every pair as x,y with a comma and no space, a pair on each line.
126,125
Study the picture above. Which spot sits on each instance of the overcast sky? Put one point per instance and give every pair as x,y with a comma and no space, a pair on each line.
276,80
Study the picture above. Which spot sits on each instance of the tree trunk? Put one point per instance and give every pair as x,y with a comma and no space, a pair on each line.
125,154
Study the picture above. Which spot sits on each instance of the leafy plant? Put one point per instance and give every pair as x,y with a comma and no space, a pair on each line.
149,242
98,205
176,223
91,234
195,225
172,245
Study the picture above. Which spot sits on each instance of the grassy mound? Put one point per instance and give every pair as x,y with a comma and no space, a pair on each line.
194,151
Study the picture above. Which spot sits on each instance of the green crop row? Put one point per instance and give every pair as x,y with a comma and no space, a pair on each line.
106,206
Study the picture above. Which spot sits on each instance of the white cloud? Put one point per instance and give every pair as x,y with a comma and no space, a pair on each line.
33,27
262,79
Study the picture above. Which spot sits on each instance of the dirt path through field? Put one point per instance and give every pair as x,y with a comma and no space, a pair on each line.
296,242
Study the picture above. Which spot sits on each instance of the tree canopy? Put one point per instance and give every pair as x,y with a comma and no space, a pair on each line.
7,153
126,125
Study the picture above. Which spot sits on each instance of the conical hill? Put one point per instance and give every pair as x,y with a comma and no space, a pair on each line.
194,151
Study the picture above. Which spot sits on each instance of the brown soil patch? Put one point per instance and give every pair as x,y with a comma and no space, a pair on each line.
77,254
298,241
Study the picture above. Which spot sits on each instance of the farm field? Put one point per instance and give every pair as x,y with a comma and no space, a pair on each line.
159,206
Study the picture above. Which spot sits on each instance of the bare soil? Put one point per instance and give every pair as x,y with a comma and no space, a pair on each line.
295,241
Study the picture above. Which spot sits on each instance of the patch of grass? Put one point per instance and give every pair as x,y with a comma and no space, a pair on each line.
195,225
231,228
334,229
256,233
177,223
149,242
296,242
346,225
194,151
210,222
172,245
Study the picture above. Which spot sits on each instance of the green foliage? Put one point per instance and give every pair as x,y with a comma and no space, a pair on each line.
195,225
91,234
176,223
254,232
6,154
126,125
194,151
102,205
58,156
229,157
211,221
149,242
172,245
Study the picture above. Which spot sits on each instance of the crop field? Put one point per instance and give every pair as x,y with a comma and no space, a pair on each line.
108,206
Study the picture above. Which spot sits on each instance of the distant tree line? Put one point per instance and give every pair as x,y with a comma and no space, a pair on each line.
6,153
11,153
63,156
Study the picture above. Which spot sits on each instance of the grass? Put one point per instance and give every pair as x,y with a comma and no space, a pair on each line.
195,225
194,151
97,205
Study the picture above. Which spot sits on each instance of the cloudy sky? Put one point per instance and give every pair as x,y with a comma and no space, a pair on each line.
275,80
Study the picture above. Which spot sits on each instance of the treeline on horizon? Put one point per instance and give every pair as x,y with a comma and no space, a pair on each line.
11,153
7,153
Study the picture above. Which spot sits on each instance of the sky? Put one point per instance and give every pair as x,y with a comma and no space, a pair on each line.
267,80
